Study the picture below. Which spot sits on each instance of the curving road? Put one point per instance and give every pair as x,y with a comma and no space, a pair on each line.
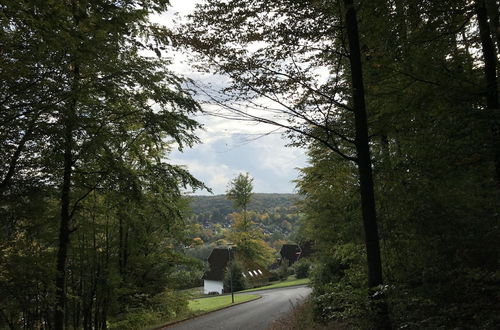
257,314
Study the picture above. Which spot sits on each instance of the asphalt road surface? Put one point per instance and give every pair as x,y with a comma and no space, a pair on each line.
254,315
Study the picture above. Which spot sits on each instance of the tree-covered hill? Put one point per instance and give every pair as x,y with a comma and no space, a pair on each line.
276,214
216,208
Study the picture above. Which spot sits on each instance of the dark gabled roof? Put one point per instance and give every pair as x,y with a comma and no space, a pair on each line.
218,261
293,252
307,249
290,252
253,271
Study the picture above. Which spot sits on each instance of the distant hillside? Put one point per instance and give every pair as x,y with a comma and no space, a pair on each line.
260,203
276,214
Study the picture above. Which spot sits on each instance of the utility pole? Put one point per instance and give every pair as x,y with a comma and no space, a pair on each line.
230,272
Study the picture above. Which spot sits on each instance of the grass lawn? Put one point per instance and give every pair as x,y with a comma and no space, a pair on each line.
210,304
283,284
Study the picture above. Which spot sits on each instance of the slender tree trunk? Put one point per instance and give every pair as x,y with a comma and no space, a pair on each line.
4,184
494,15
490,75
65,224
364,163
64,232
123,244
120,244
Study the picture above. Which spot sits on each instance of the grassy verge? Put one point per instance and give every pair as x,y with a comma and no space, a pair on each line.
205,305
283,284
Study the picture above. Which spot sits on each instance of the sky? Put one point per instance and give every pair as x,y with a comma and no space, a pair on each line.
231,147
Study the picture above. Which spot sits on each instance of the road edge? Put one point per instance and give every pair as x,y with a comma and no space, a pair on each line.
281,287
166,325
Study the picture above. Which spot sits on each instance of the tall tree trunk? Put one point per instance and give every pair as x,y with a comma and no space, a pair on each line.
121,244
363,151
364,163
64,232
494,15
123,252
66,215
490,75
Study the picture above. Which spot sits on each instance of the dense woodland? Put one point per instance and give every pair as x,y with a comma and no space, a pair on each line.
92,220
395,101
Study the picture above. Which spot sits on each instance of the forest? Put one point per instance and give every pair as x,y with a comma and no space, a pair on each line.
395,101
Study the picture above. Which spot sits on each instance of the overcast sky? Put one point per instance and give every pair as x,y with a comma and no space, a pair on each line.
229,147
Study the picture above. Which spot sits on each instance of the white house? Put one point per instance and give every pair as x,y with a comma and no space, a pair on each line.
213,280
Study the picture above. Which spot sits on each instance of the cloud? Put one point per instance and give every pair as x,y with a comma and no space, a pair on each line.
231,147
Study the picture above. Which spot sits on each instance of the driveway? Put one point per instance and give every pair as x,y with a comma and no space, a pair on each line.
257,314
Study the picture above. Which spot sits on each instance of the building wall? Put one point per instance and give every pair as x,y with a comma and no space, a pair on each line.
212,286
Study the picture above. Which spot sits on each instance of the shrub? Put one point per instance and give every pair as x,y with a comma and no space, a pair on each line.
239,281
166,306
283,270
302,268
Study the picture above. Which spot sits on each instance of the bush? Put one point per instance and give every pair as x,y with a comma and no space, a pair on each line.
283,270
302,268
239,281
166,306
274,276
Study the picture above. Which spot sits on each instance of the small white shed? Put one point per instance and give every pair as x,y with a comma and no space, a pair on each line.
212,286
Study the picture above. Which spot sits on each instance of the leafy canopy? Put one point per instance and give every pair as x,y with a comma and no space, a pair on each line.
240,191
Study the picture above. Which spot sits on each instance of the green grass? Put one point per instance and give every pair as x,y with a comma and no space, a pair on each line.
283,284
213,303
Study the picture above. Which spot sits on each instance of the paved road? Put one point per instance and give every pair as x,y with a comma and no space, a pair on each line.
254,315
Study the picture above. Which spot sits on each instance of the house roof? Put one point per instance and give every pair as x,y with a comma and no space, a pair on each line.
290,252
293,252
219,259
217,262
307,249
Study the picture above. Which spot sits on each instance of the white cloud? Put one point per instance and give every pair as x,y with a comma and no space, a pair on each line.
226,151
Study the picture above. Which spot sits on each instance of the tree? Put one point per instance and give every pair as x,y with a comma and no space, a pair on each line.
85,114
240,191
420,106
490,58
249,239
235,273
244,233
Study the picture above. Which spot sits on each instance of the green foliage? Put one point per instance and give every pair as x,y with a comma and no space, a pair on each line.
249,240
301,268
219,206
86,122
240,191
463,296
283,270
168,305
235,272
